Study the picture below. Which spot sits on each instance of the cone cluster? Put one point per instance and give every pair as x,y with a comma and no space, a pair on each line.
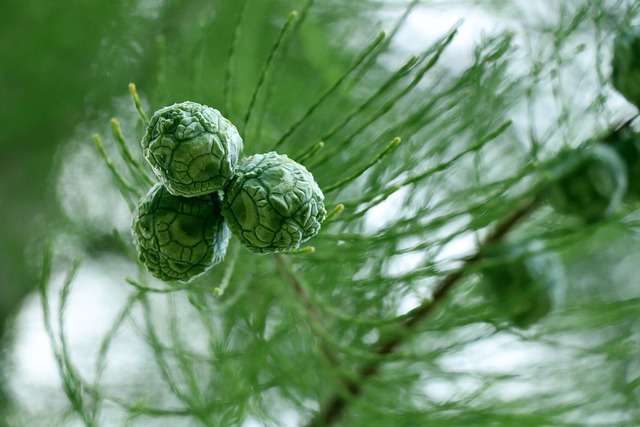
206,193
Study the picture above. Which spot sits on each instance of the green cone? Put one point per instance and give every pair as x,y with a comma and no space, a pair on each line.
177,237
625,72
192,148
592,184
273,204
522,289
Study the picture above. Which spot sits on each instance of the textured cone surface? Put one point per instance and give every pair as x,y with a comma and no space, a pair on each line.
192,148
593,188
625,64
177,237
273,203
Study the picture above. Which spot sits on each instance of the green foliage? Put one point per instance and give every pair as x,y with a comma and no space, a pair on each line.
385,323
192,148
61,61
273,203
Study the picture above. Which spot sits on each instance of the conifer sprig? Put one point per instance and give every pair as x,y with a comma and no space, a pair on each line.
336,404
366,53
326,325
275,49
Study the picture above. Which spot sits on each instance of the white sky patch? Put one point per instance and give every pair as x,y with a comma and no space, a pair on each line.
94,302
499,354
458,248
398,265
408,303
444,390
424,26
31,358
386,212
86,190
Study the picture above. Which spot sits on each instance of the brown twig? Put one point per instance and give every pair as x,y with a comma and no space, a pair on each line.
303,296
336,404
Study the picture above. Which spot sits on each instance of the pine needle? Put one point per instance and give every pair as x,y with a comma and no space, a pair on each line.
138,104
267,65
126,189
340,184
135,168
231,55
364,54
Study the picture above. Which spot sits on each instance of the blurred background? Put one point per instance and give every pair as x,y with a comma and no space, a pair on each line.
140,352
